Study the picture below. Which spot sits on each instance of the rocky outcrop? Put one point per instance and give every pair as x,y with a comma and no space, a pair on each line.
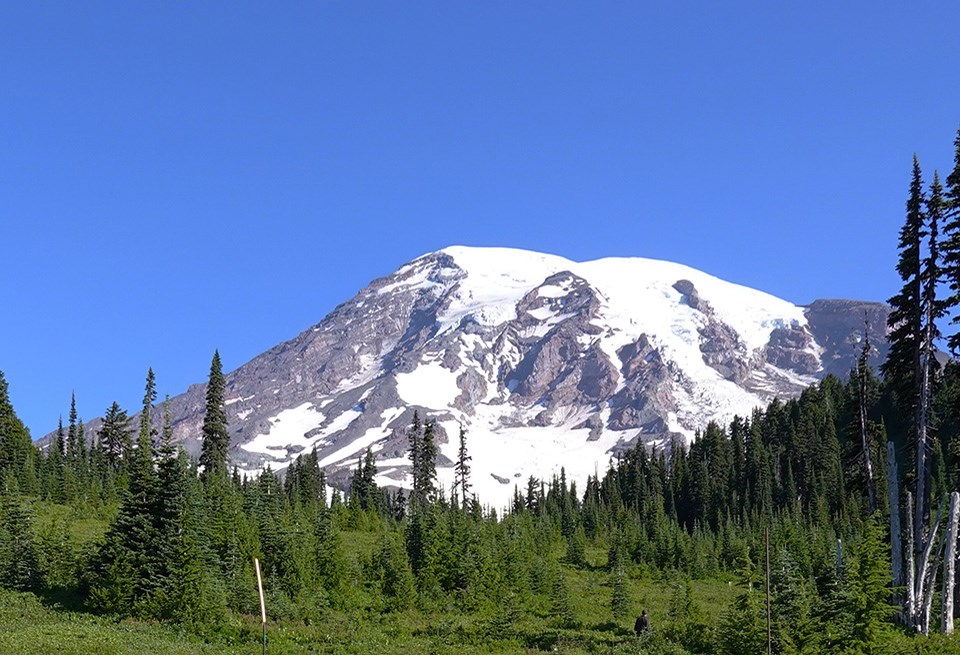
837,326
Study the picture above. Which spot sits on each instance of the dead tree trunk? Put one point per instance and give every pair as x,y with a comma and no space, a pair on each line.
927,569
862,415
949,563
931,583
911,568
893,492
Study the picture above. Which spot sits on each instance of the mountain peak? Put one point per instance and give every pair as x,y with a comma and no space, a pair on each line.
546,362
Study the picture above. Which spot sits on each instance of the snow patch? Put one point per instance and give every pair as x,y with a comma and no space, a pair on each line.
429,385
288,428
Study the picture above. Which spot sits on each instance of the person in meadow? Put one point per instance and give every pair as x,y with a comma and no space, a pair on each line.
642,624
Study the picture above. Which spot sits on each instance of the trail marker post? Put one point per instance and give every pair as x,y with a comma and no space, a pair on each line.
263,607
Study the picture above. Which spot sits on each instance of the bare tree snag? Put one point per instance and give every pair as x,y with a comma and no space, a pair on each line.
949,563
893,492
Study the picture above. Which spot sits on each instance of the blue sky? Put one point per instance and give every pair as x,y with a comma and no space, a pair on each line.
180,177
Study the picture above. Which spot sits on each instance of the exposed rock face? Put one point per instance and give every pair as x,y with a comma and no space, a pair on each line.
546,362
789,348
838,325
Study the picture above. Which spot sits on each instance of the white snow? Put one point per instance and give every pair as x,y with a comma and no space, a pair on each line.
515,454
357,446
286,428
637,298
429,385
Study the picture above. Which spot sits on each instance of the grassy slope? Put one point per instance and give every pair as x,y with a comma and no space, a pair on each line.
30,625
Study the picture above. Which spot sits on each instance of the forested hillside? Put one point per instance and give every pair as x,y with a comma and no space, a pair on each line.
812,490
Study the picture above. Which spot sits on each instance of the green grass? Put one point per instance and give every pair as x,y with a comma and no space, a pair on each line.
27,627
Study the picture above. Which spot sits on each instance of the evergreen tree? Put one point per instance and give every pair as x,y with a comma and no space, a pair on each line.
932,309
905,321
743,629
951,244
17,454
329,559
216,439
619,601
396,576
461,470
561,606
862,386
428,463
115,443
53,477
364,492
869,590
129,567
19,569
145,440
74,443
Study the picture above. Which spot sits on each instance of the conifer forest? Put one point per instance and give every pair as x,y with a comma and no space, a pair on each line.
822,524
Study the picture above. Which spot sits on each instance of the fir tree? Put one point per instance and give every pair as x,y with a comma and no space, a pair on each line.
561,606
428,464
396,576
951,244
619,601
19,569
74,444
905,321
145,439
114,437
17,454
216,439
742,629
869,592
461,470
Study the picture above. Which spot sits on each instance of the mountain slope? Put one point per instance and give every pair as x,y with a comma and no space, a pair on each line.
546,362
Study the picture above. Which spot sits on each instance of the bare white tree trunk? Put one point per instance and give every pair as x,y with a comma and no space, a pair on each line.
928,572
911,568
928,594
893,492
949,563
862,414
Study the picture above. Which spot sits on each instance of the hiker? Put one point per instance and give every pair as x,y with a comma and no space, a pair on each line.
642,624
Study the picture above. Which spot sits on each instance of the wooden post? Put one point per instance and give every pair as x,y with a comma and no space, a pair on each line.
263,607
949,564
766,539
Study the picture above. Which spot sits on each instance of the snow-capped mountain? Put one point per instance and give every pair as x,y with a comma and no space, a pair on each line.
546,362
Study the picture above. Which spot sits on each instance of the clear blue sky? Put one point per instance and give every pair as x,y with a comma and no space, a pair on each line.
177,177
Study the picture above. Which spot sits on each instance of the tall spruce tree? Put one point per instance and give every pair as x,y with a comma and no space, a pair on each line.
145,439
932,310
415,441
18,556
128,569
216,439
905,321
114,434
951,244
428,464
17,454
461,470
